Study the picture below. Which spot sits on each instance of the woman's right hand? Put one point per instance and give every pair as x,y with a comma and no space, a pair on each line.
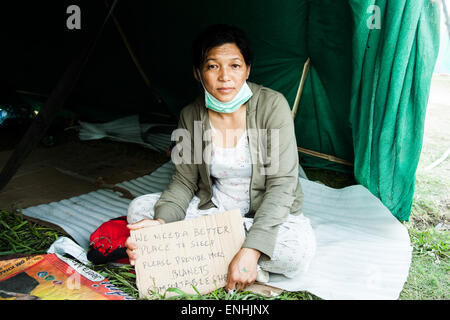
131,246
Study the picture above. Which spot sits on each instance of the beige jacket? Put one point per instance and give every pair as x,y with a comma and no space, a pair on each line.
275,190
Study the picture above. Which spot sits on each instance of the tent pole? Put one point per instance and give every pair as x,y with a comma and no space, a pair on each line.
325,156
48,112
294,112
300,87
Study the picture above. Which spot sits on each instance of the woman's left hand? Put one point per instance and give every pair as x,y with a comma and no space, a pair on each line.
242,270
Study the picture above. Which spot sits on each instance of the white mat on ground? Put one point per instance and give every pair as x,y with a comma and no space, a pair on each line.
363,252
128,129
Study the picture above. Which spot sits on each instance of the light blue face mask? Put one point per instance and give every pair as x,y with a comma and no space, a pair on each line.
227,107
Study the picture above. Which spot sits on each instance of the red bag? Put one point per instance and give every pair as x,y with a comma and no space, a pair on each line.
107,243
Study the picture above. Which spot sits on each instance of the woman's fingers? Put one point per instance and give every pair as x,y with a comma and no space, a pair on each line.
131,246
244,282
237,286
132,256
143,224
242,270
231,284
232,279
237,281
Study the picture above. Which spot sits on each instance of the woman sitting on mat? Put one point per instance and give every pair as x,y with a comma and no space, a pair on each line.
250,163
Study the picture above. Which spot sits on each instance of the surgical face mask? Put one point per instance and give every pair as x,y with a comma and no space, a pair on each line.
244,94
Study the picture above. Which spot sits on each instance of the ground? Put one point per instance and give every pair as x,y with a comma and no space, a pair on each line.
429,225
432,200
65,169
79,161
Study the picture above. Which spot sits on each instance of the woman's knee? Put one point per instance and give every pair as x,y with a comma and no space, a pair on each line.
141,208
294,257
303,256
301,261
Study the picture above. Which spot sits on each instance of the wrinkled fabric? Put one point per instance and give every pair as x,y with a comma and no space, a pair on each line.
392,69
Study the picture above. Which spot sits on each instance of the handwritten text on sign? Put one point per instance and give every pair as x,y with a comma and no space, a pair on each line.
194,252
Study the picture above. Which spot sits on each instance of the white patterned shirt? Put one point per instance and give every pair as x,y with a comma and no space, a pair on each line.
231,172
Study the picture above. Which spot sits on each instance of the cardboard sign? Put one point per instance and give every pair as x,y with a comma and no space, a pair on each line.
183,254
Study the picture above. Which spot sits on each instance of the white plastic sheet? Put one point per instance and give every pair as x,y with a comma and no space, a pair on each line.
363,251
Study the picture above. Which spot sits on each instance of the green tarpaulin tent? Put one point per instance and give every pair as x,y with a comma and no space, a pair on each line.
364,99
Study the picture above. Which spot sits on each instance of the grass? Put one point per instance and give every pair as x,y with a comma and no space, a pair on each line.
19,236
427,279
429,276
431,203
123,278
429,224
431,243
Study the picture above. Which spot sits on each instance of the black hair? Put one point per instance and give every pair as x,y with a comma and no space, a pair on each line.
217,35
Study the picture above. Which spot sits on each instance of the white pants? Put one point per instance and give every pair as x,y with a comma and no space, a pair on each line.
294,248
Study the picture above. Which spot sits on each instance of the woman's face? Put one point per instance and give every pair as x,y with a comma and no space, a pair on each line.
224,71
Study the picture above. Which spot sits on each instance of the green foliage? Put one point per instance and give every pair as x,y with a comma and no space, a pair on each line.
19,236
431,242
121,276
222,294
429,279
